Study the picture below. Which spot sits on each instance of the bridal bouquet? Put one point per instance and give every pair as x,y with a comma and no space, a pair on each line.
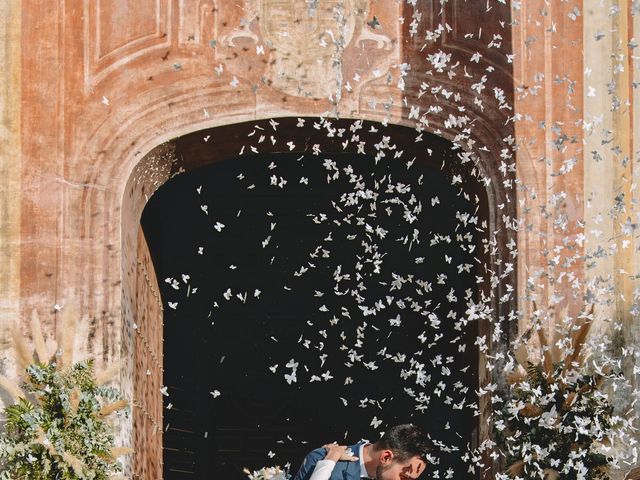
268,473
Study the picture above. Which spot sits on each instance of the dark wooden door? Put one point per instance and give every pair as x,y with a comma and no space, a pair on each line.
225,336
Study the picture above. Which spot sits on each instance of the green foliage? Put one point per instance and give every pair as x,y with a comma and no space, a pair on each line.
58,432
555,422
536,376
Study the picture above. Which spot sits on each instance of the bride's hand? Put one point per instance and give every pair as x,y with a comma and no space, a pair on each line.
337,453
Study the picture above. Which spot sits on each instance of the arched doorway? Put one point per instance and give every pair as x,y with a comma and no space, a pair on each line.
256,407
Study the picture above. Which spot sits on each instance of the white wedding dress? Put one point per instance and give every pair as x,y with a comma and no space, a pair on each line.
323,470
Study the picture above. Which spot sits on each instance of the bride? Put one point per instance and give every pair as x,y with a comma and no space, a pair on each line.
335,453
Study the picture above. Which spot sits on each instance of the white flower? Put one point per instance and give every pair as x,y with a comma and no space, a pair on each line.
267,473
548,419
439,60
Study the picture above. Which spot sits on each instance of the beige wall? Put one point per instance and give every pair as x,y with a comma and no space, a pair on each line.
611,132
10,156
554,51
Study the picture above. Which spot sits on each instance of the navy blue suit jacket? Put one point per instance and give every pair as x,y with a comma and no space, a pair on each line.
344,470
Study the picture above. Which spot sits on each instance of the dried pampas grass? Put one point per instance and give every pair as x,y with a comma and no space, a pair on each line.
515,377
38,338
112,407
42,440
544,346
109,373
74,399
74,463
578,338
66,336
633,474
516,469
12,388
571,398
522,356
120,451
550,353
530,410
24,358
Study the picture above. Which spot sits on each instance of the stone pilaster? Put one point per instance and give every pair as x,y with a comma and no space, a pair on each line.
10,174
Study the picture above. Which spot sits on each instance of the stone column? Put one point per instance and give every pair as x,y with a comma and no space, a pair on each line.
548,64
610,177
10,175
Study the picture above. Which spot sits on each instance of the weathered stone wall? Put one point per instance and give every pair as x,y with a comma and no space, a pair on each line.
574,63
90,88
10,160
148,366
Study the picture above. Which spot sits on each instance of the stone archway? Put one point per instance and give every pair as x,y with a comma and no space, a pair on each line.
92,88
141,301
108,86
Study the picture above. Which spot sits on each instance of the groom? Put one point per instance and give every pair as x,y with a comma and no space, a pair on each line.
400,454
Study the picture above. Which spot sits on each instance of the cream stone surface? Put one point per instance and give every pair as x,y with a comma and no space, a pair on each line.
10,157
9,167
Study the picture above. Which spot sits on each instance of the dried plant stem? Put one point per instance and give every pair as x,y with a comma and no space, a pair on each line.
109,373
38,338
24,358
12,388
74,463
120,451
112,407
41,439
74,399
546,354
516,469
578,339
66,336
550,474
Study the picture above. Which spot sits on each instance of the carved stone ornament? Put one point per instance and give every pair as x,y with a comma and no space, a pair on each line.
307,40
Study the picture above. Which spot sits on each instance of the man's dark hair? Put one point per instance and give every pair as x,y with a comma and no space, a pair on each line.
405,441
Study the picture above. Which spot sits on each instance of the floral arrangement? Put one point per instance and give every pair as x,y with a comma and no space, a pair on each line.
58,426
268,473
558,422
